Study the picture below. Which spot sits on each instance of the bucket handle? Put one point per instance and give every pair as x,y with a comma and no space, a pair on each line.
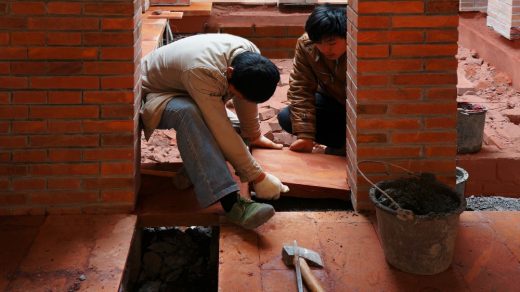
403,214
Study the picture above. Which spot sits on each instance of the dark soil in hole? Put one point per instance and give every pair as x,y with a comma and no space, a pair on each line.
423,195
178,259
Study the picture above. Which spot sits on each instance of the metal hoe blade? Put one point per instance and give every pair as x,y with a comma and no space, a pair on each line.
296,263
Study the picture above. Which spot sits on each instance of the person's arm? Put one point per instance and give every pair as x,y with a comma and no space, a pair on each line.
302,87
207,88
247,113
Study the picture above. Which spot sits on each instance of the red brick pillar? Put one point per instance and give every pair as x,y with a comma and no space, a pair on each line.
401,89
69,78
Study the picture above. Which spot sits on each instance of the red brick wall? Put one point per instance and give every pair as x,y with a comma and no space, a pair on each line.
68,82
401,89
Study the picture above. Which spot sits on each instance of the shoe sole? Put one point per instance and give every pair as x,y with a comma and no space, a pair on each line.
259,219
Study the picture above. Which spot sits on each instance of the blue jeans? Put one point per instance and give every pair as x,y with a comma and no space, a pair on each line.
204,162
331,121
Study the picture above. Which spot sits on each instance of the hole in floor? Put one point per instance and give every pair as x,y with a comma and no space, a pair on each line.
173,259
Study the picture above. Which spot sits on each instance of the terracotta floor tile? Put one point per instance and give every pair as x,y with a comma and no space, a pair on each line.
68,246
484,261
354,259
311,175
17,233
507,228
239,260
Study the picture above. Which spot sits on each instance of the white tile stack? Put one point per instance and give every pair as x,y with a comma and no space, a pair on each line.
504,17
473,5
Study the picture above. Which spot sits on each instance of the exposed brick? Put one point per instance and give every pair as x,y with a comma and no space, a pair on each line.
117,168
13,53
36,68
65,126
14,112
107,8
64,68
63,7
424,50
12,199
12,23
13,170
118,196
275,43
374,22
62,184
27,38
28,8
442,6
379,123
64,112
271,31
390,36
440,151
389,65
4,38
117,111
117,53
65,82
107,183
107,38
23,184
441,64
5,68
450,35
64,169
373,51
423,109
424,137
29,97
373,80
4,97
64,97
63,197
240,31
371,109
61,53
107,154
107,97
29,156
426,21
117,82
63,23
4,127
29,126
371,138
383,7
442,93
389,94
386,152
449,122
65,141
425,79
65,155
63,38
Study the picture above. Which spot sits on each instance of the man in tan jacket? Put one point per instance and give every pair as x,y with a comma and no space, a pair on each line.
317,84
185,85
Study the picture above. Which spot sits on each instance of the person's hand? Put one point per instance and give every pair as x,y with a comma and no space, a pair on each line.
270,187
264,142
302,145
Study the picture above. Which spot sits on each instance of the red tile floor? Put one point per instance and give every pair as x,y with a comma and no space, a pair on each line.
487,254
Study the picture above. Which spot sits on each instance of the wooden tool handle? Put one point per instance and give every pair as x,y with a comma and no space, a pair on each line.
311,281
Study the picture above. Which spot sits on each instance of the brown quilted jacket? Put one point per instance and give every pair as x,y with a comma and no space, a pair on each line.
313,73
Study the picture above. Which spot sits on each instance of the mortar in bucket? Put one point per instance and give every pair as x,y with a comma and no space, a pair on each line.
417,220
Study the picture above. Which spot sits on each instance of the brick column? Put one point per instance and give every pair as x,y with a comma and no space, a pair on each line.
401,86
69,78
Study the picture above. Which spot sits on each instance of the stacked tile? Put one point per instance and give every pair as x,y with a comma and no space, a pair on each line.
473,5
504,17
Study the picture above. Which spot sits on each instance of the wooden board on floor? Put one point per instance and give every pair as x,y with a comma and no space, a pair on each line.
309,175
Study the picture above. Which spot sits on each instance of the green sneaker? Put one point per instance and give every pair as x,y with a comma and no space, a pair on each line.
249,214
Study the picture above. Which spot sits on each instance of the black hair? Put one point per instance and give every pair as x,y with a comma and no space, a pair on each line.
326,21
254,76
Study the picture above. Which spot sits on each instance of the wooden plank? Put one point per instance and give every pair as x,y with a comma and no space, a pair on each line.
309,175
164,14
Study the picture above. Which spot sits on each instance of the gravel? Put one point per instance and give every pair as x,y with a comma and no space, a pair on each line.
492,203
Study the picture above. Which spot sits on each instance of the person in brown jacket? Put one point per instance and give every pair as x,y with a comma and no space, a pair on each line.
317,95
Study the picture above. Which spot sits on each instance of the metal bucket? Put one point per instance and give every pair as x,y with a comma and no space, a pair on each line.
422,245
471,119
462,176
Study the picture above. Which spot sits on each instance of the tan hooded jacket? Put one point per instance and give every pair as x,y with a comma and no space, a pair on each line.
196,67
313,73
